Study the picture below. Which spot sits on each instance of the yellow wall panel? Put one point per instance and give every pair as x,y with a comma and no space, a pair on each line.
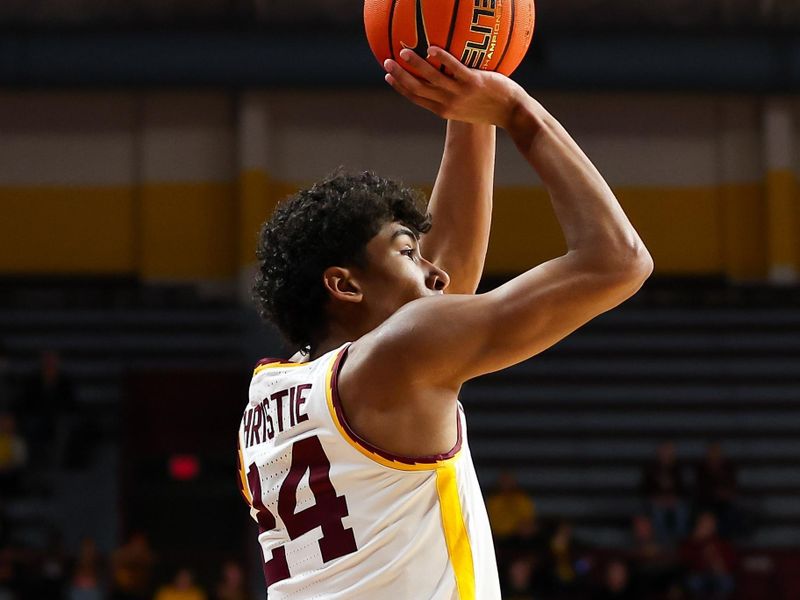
744,235
783,219
200,231
64,229
188,231
255,203
525,232
680,226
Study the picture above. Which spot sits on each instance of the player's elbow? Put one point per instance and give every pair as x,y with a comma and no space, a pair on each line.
635,268
624,270
640,263
620,263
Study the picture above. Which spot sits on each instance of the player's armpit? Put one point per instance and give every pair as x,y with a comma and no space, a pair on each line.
444,341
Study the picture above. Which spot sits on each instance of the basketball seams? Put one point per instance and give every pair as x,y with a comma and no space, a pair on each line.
509,37
391,28
453,20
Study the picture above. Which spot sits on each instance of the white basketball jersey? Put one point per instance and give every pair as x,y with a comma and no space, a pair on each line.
341,519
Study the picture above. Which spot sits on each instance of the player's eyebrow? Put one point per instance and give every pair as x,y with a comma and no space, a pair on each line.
404,231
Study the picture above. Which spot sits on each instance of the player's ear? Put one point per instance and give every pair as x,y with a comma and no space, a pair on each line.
342,285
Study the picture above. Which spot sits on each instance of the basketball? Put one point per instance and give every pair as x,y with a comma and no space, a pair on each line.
492,35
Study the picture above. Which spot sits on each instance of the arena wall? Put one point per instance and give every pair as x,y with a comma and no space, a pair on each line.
173,185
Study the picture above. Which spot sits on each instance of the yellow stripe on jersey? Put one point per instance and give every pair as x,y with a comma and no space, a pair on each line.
278,365
393,464
455,531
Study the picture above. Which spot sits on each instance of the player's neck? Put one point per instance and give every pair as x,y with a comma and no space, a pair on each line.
342,329
335,339
324,347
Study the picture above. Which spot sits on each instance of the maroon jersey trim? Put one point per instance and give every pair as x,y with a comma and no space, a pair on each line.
268,361
357,439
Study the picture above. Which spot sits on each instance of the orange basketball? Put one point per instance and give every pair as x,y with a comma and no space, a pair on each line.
484,34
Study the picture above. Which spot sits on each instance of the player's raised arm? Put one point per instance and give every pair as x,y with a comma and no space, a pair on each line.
443,341
461,202
461,205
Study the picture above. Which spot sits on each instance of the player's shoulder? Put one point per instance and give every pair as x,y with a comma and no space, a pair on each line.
397,349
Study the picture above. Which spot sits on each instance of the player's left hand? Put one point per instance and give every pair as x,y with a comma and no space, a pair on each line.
461,93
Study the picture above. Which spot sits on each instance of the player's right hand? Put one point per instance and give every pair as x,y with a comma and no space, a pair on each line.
460,93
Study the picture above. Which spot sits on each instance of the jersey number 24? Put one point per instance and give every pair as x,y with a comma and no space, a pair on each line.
327,512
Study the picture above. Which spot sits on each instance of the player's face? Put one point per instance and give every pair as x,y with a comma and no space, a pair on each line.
397,273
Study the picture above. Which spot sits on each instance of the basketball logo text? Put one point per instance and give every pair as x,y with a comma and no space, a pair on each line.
484,27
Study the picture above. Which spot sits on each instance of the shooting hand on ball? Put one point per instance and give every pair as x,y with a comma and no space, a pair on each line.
460,94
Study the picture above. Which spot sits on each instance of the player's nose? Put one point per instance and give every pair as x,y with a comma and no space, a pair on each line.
437,279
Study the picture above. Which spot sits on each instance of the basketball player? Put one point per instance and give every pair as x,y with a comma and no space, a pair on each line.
355,461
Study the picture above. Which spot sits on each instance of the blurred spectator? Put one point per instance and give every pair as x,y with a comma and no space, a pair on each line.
709,560
519,580
529,541
48,397
512,515
568,562
655,566
715,488
232,585
528,545
86,581
131,569
181,588
509,507
665,496
13,454
616,583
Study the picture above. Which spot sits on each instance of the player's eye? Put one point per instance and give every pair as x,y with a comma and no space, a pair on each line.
409,252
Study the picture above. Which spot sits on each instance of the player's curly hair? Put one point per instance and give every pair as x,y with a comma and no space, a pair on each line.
328,224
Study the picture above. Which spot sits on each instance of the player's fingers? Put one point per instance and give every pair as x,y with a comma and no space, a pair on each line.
408,82
427,70
430,105
427,103
400,87
451,63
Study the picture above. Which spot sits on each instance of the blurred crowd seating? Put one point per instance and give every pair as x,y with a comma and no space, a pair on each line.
67,350
654,453
706,374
